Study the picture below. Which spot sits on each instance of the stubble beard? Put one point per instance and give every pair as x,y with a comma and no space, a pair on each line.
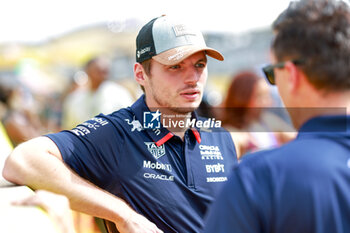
164,103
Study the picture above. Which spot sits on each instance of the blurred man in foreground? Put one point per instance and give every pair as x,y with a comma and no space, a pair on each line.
304,185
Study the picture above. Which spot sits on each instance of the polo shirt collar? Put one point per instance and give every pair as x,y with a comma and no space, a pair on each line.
327,124
162,135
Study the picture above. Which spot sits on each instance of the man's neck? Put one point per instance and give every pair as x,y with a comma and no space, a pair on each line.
323,104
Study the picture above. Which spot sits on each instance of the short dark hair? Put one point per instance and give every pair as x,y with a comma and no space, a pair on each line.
147,67
318,32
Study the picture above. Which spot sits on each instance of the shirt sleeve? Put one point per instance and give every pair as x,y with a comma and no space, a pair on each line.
243,205
91,149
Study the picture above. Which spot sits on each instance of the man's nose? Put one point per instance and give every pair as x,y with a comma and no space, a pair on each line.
192,75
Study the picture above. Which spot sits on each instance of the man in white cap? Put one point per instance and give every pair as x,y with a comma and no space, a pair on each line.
160,174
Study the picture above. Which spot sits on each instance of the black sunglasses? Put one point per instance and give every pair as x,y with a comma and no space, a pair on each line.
269,73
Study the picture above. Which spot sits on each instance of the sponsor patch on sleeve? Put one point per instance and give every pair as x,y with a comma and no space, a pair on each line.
88,126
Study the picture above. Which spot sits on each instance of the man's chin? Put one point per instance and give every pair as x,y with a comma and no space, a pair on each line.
187,107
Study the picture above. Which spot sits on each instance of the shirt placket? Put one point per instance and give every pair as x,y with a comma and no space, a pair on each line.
190,179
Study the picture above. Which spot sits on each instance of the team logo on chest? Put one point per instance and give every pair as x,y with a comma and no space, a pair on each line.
156,151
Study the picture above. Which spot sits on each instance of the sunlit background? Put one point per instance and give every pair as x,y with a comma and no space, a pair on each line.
38,21
59,36
45,44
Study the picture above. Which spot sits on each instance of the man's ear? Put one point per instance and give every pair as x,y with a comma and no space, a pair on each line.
294,76
139,74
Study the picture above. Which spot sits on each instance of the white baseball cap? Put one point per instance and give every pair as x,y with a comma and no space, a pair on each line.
169,42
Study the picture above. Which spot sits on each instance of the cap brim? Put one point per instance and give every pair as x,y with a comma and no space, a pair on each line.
176,55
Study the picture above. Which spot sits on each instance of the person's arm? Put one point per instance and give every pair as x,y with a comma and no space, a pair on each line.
38,164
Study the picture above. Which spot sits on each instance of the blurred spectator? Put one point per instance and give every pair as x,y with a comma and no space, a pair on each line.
53,104
99,96
247,115
20,123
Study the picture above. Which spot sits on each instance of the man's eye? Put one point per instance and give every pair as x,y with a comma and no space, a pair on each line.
200,65
175,67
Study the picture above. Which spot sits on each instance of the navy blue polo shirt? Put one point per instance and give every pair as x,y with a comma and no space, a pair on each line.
303,186
169,181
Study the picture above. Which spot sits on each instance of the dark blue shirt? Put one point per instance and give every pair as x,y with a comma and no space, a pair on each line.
169,181
303,186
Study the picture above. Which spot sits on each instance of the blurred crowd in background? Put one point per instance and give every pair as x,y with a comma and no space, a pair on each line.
48,90
62,82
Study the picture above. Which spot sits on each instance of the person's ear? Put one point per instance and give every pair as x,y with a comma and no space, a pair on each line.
294,76
139,74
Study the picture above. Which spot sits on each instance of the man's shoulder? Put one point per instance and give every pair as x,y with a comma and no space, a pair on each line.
279,156
306,155
107,126
122,116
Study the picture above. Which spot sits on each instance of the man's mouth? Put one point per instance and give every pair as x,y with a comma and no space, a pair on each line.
190,94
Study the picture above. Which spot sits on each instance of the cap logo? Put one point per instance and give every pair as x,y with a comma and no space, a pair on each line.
182,30
179,54
142,51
